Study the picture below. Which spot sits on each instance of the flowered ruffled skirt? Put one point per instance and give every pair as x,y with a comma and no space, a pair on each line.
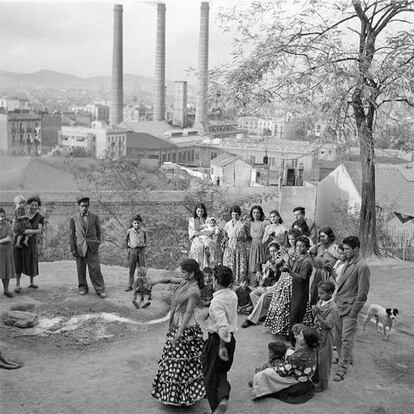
179,380
278,316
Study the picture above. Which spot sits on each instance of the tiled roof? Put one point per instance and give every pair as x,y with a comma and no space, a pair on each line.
393,189
224,159
145,141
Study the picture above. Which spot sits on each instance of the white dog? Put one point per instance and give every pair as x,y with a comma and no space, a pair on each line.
385,316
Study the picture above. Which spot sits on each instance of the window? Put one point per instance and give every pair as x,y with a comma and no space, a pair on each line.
213,155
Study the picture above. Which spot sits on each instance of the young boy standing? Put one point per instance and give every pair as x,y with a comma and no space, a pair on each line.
326,318
218,351
136,240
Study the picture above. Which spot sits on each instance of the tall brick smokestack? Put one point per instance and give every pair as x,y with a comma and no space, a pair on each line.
201,120
117,103
159,104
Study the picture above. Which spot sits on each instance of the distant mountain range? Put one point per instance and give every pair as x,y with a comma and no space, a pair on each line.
57,80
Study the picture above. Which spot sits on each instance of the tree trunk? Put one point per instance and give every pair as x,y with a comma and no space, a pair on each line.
367,216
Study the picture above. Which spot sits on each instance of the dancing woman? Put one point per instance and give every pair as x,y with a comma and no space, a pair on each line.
179,380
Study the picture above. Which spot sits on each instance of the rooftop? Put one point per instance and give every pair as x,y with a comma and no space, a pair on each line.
144,141
394,188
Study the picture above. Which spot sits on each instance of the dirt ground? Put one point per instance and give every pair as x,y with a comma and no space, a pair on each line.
104,366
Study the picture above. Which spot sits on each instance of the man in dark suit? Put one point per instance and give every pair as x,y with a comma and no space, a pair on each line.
299,213
85,238
351,294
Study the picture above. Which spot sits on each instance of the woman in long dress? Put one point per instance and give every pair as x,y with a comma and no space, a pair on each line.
324,256
257,251
289,303
278,316
196,228
26,257
235,238
7,269
179,380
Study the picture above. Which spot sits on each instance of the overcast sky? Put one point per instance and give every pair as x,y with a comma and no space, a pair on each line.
76,36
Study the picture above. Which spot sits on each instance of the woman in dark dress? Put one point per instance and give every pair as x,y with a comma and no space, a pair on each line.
7,270
26,258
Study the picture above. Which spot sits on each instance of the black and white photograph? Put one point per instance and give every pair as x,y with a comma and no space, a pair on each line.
206,207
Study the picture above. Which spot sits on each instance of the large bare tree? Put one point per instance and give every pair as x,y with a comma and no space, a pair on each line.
346,58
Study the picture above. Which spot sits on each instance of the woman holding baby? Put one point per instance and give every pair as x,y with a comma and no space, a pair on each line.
202,232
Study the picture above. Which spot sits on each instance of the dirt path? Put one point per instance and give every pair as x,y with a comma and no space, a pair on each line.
107,367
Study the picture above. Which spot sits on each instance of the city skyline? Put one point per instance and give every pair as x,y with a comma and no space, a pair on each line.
82,45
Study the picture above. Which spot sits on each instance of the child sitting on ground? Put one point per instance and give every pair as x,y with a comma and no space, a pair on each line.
207,290
326,316
142,287
21,221
244,303
277,351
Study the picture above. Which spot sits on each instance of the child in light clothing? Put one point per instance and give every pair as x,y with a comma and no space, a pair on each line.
136,241
21,221
142,289
326,316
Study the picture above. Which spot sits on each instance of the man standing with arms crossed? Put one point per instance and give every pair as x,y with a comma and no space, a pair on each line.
85,238
351,294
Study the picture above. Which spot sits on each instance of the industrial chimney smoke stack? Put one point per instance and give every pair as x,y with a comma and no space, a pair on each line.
159,104
117,104
201,120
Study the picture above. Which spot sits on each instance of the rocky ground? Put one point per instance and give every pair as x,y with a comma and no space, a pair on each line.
91,355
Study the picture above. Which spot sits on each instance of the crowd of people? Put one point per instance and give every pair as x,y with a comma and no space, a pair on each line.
306,288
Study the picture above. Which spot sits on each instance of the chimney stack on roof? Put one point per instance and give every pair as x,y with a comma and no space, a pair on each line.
117,103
